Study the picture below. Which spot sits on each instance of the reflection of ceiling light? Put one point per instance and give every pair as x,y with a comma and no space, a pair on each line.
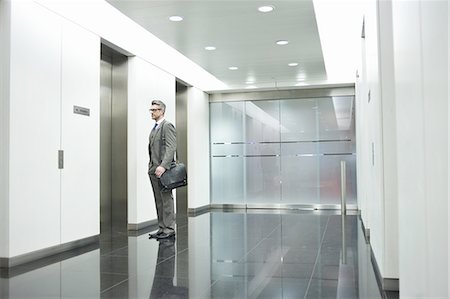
293,64
250,87
282,42
266,8
301,84
210,48
176,18
233,68
249,82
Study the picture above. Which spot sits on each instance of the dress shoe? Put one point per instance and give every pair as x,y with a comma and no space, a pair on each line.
165,235
155,235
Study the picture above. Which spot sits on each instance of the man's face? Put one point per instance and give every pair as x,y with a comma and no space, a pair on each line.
156,112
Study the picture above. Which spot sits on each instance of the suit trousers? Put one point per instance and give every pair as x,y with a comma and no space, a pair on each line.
164,206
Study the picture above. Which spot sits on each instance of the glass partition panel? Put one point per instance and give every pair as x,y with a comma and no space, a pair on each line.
262,163
330,179
262,179
227,122
227,148
282,151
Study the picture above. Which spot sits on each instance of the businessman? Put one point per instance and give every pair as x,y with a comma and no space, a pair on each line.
161,148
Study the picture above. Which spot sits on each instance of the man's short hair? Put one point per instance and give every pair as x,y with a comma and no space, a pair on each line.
160,104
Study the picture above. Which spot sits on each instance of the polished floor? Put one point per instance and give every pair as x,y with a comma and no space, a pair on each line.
239,254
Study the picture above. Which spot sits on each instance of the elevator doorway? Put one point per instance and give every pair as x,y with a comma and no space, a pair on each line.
181,125
113,141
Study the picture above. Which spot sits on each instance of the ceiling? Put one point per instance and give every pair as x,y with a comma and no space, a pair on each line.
243,38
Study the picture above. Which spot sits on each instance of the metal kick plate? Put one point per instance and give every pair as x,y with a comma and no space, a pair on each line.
81,110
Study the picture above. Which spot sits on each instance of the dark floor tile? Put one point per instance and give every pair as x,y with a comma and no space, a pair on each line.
326,272
114,264
163,287
296,271
322,288
392,294
119,291
108,280
229,288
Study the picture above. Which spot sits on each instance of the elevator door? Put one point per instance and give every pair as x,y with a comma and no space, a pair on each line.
113,142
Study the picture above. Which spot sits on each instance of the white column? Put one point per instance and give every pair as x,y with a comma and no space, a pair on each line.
198,148
390,212
5,13
145,82
421,78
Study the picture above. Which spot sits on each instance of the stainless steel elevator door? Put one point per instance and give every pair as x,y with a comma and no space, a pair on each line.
113,141
105,145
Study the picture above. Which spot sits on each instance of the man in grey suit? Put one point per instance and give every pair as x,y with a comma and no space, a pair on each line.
161,149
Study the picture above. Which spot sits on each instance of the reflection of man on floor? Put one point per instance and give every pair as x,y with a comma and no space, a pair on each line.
163,286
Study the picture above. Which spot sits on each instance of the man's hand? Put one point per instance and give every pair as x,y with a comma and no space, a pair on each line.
159,171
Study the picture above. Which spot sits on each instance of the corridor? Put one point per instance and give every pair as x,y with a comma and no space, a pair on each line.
239,254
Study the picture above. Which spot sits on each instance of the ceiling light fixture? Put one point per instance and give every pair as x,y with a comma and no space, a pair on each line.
176,18
293,64
250,87
266,8
210,48
233,68
282,42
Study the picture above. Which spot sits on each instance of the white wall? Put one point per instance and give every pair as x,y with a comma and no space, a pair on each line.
145,82
80,138
198,148
371,122
4,125
49,74
420,53
377,182
389,152
34,128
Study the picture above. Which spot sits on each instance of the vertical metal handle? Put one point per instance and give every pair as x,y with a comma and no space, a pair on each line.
343,188
60,159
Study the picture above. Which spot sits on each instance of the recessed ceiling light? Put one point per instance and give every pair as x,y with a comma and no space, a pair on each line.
282,42
266,8
293,64
210,48
233,68
176,18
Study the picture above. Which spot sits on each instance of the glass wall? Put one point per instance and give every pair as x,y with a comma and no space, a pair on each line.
282,151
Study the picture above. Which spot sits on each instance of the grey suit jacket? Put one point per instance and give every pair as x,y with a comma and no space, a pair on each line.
162,146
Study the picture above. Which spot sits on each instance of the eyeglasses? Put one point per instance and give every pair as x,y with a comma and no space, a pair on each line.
153,110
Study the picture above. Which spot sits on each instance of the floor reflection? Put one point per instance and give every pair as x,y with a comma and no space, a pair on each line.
253,254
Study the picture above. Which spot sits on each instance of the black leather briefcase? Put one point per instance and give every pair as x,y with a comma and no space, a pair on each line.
174,177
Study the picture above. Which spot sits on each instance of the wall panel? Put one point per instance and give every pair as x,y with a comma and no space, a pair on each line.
34,128
80,134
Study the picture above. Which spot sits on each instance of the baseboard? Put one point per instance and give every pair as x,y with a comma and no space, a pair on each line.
365,230
351,207
386,284
46,252
139,226
192,212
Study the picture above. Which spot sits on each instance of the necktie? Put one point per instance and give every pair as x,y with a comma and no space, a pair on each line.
154,127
